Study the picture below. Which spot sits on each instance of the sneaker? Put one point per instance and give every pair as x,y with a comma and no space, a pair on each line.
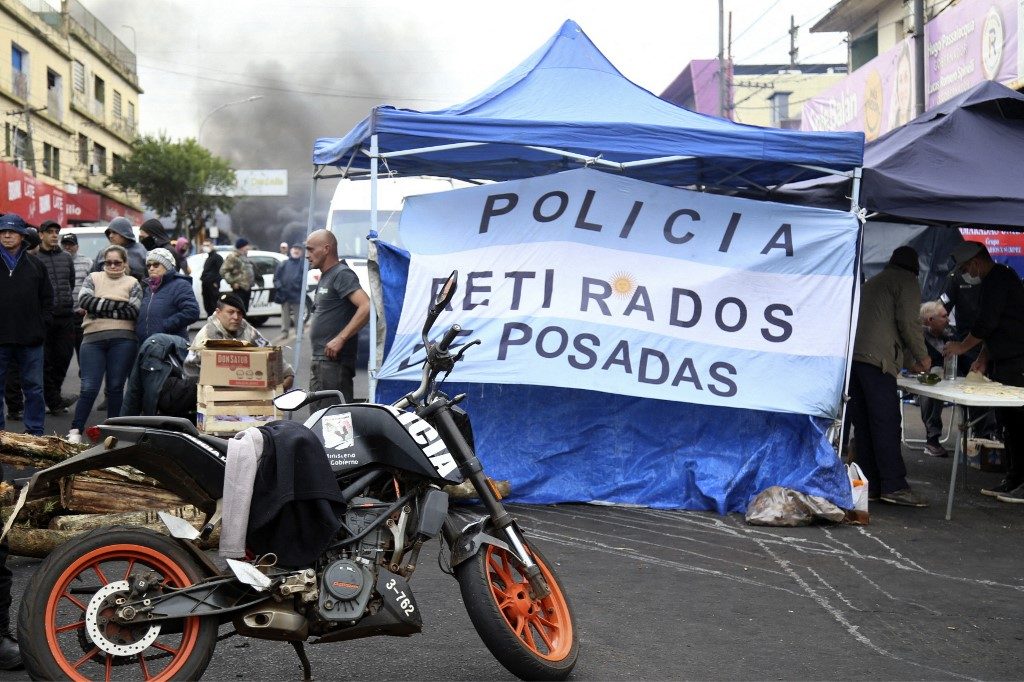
905,498
1005,486
74,436
14,415
1015,496
10,654
63,404
933,449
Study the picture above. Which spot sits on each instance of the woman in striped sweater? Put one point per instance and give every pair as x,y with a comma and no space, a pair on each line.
112,299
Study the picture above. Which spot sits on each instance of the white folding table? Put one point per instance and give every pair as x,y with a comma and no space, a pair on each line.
952,391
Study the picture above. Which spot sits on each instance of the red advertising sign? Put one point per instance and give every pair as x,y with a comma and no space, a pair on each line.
36,201
997,243
110,209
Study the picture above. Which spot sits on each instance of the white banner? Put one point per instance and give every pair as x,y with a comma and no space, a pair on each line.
261,183
584,279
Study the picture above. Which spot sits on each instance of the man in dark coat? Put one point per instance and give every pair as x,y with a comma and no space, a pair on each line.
887,324
210,277
152,235
288,288
28,307
59,346
999,330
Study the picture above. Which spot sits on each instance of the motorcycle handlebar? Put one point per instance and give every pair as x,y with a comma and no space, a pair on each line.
448,337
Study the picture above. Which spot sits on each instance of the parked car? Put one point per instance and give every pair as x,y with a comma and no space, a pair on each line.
261,303
92,238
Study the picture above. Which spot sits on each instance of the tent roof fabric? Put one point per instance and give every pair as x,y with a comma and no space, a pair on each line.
955,164
567,97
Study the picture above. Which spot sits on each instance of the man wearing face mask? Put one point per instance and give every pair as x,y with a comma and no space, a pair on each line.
210,277
999,330
152,235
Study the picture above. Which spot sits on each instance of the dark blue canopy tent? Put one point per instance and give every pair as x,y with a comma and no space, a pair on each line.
952,165
567,106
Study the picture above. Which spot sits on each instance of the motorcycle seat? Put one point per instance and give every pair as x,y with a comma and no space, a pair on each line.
178,424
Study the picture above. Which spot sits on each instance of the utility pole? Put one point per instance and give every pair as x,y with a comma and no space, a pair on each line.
30,155
793,49
919,56
721,58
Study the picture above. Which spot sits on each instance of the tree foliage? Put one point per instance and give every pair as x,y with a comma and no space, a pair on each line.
179,178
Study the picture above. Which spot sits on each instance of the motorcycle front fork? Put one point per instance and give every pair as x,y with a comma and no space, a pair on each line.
473,471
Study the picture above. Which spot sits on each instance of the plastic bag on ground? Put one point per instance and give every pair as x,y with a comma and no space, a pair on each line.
778,506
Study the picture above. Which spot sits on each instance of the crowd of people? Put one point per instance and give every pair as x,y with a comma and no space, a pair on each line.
896,330
132,306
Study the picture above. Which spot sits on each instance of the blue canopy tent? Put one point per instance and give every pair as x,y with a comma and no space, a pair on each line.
567,106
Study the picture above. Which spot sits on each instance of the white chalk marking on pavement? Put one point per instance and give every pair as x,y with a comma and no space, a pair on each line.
594,545
837,614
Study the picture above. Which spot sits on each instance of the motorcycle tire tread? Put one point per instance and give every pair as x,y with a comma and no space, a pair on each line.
31,619
493,629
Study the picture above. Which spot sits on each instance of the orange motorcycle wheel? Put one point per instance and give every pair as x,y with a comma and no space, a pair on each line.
66,624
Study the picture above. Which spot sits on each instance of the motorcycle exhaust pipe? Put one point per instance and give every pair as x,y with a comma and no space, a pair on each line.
272,621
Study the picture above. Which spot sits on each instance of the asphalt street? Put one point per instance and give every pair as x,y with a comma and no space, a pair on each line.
662,594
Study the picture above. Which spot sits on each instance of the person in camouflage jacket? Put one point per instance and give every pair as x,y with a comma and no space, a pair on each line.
238,272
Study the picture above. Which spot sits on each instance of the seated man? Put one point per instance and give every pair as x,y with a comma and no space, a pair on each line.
228,322
936,334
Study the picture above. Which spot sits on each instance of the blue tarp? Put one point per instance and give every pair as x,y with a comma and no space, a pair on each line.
568,96
563,445
560,445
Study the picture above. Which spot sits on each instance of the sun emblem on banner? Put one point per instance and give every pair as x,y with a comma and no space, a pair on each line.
623,284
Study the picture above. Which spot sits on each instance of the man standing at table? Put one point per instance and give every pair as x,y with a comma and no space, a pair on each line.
1000,328
888,323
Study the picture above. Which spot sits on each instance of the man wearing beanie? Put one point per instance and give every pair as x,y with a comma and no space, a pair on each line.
238,272
887,323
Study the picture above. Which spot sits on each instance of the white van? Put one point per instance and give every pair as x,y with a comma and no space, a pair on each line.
349,219
349,215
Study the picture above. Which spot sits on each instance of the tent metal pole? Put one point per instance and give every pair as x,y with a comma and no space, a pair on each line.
371,371
854,307
422,150
299,320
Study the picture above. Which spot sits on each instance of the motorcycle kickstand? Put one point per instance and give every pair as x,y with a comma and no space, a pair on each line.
300,651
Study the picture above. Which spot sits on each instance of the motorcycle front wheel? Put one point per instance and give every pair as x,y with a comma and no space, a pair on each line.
535,639
66,624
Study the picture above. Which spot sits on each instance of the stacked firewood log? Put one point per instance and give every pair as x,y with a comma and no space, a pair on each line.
82,502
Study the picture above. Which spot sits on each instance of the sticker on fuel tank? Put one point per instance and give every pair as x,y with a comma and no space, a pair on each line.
428,439
337,431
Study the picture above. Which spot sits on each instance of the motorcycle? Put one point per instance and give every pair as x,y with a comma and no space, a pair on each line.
132,602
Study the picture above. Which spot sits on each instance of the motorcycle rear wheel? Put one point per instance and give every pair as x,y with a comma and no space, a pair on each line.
533,639
58,635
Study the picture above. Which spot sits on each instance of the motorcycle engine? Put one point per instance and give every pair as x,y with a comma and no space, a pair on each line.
348,582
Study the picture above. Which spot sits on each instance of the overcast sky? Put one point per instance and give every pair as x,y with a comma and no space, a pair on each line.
319,67
337,59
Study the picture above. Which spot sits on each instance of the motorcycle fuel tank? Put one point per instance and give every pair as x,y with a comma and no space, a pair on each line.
359,434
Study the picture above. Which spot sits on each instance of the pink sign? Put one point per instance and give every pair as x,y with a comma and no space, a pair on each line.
967,43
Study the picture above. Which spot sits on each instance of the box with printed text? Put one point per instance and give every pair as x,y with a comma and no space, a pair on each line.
233,365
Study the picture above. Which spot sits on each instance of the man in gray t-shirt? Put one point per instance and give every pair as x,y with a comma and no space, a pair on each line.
340,310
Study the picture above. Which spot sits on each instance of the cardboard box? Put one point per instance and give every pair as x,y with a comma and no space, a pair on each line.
229,364
987,455
224,411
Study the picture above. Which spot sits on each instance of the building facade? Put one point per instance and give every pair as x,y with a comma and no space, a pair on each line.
964,41
769,95
69,93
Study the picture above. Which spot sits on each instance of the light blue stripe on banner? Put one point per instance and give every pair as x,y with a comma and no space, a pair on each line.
586,206
559,352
